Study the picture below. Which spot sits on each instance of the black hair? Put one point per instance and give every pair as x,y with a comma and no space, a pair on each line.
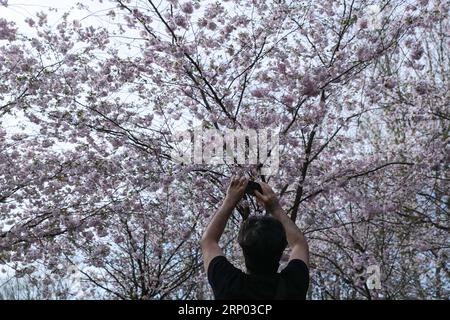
263,240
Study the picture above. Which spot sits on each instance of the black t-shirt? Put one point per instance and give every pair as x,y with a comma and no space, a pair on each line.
229,282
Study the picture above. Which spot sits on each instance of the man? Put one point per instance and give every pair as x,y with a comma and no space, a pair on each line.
263,240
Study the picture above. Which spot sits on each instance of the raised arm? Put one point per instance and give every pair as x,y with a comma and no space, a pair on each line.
210,239
296,240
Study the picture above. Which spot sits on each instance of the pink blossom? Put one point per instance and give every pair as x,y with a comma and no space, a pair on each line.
364,53
181,21
76,23
281,67
258,93
30,22
288,100
390,83
211,26
417,53
309,86
422,87
187,7
7,30
372,210
202,22
363,24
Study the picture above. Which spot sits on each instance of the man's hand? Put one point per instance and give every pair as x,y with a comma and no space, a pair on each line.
236,190
268,198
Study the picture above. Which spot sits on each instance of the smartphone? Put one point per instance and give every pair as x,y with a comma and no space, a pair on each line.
251,187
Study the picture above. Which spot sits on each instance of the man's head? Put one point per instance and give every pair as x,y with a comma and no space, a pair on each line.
263,240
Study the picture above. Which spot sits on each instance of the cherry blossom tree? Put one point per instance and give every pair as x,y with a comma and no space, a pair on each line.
358,91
